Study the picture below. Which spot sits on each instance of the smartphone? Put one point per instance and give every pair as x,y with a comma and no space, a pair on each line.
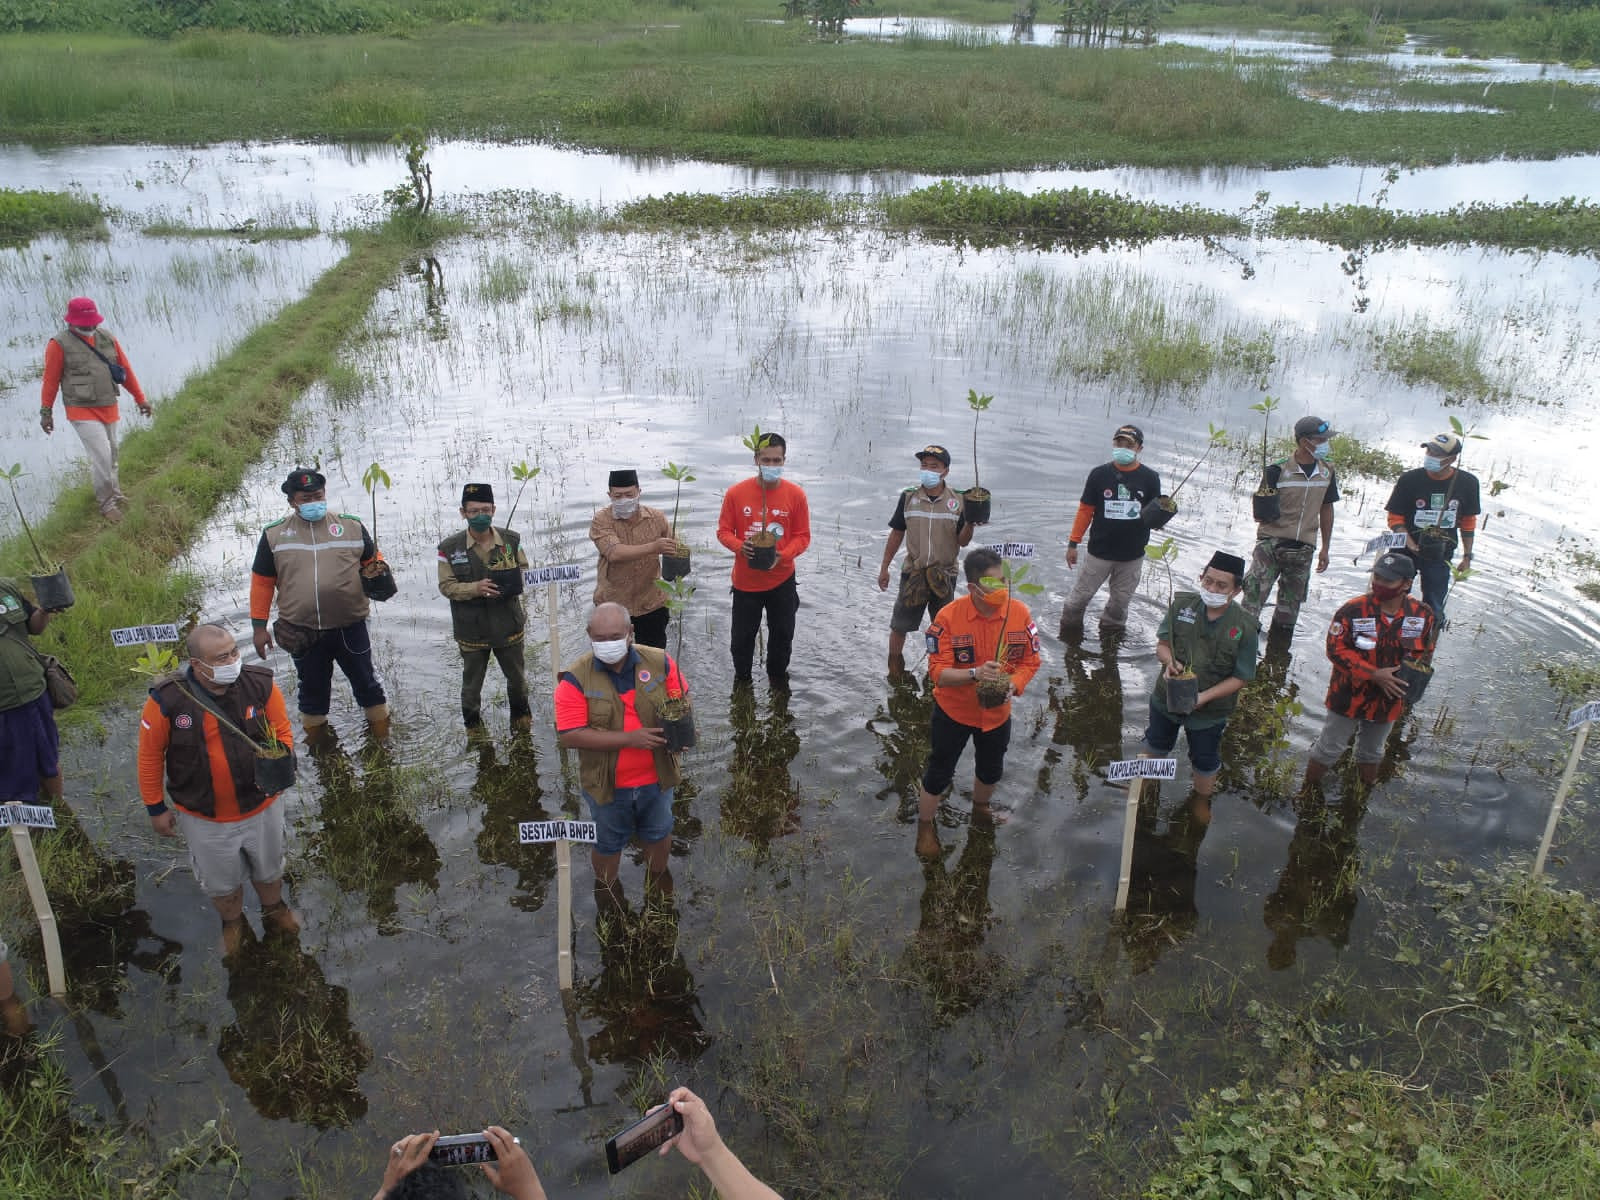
643,1136
463,1150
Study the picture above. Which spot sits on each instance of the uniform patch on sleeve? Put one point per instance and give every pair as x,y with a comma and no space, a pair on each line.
1336,629
935,632
1033,636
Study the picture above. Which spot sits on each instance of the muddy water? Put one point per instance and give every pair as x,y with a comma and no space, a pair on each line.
941,1021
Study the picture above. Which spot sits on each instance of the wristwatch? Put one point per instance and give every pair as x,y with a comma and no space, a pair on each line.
973,671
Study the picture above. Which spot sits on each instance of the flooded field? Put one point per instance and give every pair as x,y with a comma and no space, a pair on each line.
862,1023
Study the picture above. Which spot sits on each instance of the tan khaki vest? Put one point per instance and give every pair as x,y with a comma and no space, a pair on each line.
85,380
597,769
1299,503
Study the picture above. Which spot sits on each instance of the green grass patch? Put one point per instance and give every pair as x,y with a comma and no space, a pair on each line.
1446,358
249,231
204,439
1569,224
25,215
744,210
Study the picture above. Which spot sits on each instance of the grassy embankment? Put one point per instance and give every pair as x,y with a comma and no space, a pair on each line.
25,215
722,87
175,473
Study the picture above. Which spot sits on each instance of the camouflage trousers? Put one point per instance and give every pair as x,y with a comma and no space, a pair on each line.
1285,563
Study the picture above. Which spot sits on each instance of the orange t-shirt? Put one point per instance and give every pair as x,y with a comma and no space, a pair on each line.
788,515
155,732
55,358
961,637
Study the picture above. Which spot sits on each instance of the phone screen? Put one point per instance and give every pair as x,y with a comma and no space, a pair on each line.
643,1136
462,1150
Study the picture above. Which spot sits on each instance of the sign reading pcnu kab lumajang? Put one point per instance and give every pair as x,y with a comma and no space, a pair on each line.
557,573
1013,549
138,635
1589,712
555,831
38,816
1141,768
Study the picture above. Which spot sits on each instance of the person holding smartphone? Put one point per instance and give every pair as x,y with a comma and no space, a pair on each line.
409,1173
702,1145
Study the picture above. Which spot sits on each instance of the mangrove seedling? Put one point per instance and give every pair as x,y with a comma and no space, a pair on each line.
155,662
1434,542
765,541
1265,505
503,566
1163,553
50,586
677,714
377,580
976,501
1161,509
674,566
523,474
1013,579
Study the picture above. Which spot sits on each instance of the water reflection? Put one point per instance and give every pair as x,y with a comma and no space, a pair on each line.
1088,712
644,995
1161,907
1316,893
948,951
369,843
1256,761
291,1045
901,726
761,800
509,792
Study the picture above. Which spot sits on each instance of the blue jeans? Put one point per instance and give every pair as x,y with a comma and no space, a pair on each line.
646,811
1435,585
1205,744
351,648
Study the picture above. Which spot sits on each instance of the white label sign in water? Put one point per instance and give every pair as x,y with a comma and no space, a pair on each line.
1589,712
38,816
1013,549
138,635
1141,768
1395,539
559,573
555,831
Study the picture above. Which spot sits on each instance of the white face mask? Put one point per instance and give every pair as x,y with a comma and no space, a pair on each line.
1214,599
610,653
625,508
226,673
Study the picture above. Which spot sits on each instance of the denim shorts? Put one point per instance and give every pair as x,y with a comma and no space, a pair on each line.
1205,744
646,811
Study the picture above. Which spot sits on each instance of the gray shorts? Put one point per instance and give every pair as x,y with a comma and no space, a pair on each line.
1336,733
224,854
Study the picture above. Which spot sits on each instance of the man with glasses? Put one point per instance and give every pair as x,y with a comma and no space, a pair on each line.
1209,635
1307,492
199,736
484,619
631,538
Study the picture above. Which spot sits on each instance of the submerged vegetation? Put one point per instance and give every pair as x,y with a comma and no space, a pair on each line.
26,215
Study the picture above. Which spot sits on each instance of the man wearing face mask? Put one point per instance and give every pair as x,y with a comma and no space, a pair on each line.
1307,492
87,366
1368,640
986,637
312,560
1108,511
631,538
484,621
1208,634
197,737
929,520
607,703
768,500
1437,505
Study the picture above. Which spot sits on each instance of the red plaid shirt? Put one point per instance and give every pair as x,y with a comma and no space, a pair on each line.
1407,634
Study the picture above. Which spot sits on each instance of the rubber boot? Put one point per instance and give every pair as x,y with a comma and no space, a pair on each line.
317,730
378,722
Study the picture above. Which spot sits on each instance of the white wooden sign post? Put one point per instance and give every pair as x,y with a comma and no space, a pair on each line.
1581,721
553,577
563,834
20,817
1135,771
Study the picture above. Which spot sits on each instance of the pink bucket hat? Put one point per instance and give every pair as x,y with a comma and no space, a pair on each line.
82,312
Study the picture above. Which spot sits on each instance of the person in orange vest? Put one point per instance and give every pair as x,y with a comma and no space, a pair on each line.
985,637
87,366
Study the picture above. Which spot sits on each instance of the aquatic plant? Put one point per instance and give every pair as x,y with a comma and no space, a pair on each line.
25,215
416,193
11,475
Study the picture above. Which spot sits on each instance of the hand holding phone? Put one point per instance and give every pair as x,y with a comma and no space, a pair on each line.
656,1128
463,1150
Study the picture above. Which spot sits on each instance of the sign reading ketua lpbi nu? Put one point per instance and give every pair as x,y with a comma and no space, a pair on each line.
555,831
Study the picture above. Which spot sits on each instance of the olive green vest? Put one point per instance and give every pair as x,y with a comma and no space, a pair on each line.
21,672
1208,648
597,769
485,621
85,380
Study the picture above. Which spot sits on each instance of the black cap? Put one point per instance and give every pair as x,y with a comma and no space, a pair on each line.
933,451
1312,427
1132,431
624,478
1231,563
1394,567
477,493
304,479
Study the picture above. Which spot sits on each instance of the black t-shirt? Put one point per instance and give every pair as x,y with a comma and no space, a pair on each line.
1423,501
1117,533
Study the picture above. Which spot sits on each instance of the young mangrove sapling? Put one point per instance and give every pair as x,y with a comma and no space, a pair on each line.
51,588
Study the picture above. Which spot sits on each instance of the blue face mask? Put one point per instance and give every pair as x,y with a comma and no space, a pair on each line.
1322,449
314,510
1432,463
930,480
770,474
1123,457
